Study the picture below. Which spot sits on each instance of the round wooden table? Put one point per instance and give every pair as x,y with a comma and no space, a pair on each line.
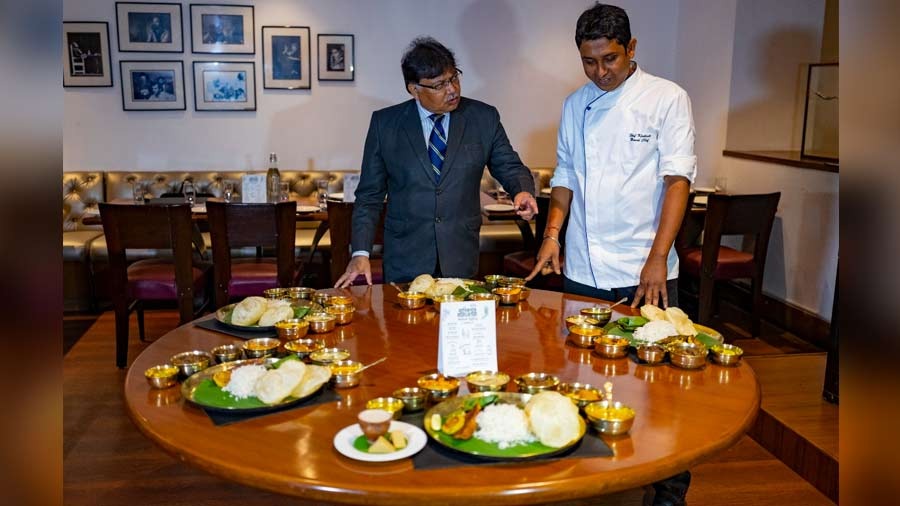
683,416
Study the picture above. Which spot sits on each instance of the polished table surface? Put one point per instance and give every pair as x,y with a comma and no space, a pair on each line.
683,416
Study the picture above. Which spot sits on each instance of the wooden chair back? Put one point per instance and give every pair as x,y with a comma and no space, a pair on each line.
751,215
340,226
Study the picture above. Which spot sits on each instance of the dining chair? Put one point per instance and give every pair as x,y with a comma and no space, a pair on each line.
340,216
178,278
521,263
269,228
748,215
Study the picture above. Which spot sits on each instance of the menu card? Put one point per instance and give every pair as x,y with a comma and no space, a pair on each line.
467,338
253,188
351,181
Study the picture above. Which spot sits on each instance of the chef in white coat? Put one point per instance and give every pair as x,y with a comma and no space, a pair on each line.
625,162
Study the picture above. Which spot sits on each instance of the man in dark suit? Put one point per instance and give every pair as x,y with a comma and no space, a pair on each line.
431,179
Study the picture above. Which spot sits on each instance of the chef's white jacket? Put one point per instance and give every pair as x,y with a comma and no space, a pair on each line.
614,149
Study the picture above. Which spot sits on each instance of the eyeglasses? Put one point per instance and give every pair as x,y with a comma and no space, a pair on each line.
442,85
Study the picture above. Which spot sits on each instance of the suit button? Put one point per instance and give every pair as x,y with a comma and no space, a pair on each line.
437,220
438,191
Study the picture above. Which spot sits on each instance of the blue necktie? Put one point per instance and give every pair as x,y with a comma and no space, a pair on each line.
437,145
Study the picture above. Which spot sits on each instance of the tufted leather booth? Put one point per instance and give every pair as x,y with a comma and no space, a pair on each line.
81,192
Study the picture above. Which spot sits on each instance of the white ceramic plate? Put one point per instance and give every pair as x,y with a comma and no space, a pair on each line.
336,196
416,439
307,209
498,208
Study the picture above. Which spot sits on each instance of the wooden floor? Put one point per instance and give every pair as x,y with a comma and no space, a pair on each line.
107,461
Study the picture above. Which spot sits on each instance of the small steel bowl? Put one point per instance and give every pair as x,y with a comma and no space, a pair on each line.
343,313
345,373
227,353
438,386
687,355
581,394
610,420
190,362
651,353
390,404
485,296
413,398
578,319
440,299
322,322
303,347
511,281
726,354
340,300
411,300
300,292
600,313
162,376
535,382
486,381
289,330
261,347
275,293
583,334
509,295
326,356
611,346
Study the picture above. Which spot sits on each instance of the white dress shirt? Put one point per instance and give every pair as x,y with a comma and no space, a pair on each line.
614,149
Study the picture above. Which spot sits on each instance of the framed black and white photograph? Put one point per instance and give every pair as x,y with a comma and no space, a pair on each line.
152,85
86,54
335,57
149,27
222,29
224,86
286,57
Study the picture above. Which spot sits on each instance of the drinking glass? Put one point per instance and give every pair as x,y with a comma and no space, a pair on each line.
284,191
322,191
189,192
228,192
138,192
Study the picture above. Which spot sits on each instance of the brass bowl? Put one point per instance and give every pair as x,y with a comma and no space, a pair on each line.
493,280
162,376
340,300
600,313
581,394
190,362
411,300
326,356
345,373
300,292
525,293
578,319
320,297
726,354
485,296
289,330
510,281
227,353
610,420
321,322
438,386
509,295
611,346
535,382
343,313
486,381
651,353
390,404
275,293
440,299
303,347
261,347
583,334
413,398
687,355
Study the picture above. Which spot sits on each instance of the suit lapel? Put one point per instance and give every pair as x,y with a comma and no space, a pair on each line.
412,125
457,128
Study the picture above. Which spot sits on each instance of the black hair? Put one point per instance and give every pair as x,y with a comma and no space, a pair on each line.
603,21
425,58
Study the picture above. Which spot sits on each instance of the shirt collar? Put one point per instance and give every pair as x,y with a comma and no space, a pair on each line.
629,83
425,113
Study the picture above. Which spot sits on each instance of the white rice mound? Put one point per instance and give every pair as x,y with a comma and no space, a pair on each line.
655,330
243,380
504,424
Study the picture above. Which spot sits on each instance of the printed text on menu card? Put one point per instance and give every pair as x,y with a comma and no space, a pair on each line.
468,338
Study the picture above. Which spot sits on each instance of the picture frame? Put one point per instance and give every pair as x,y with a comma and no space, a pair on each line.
224,86
152,85
222,29
286,56
149,27
85,54
820,139
336,57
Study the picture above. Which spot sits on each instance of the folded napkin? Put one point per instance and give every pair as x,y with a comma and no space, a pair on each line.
325,395
217,326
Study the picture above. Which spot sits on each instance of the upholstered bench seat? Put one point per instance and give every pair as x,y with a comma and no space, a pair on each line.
77,244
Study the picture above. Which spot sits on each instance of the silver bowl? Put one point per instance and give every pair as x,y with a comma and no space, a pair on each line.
389,404
227,353
413,398
190,362
486,381
261,347
581,394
